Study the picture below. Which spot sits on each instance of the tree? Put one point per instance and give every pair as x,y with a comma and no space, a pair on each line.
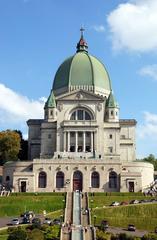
17,234
9,146
151,159
149,236
23,153
36,234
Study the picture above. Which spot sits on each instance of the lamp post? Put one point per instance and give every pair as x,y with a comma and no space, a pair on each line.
95,220
91,204
63,208
61,218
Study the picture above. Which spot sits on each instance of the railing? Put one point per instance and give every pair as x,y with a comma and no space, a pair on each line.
76,208
77,230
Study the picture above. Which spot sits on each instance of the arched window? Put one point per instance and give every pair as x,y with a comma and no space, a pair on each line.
7,179
112,179
81,114
95,180
42,180
60,180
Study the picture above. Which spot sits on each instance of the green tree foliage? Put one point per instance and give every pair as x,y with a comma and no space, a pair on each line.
36,223
150,236
151,159
36,234
52,232
9,146
23,153
17,234
101,235
124,236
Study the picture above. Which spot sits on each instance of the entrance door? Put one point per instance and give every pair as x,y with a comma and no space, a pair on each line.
131,186
23,186
77,181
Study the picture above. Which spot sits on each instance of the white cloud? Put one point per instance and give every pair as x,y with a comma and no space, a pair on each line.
43,99
150,71
16,109
25,136
148,130
133,26
99,28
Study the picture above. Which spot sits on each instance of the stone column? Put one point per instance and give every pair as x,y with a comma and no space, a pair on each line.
95,142
64,142
76,141
68,145
84,141
92,142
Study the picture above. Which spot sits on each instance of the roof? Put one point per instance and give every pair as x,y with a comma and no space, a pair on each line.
50,103
129,122
82,69
111,101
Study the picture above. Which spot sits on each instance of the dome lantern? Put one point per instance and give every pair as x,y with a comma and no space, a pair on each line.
82,45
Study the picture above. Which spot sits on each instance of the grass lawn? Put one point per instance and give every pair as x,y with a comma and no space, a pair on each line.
144,216
3,234
102,200
15,205
3,237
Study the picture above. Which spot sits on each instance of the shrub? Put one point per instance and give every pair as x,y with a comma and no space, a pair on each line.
103,236
36,234
17,234
124,236
150,236
36,223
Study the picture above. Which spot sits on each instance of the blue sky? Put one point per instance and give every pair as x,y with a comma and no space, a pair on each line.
37,35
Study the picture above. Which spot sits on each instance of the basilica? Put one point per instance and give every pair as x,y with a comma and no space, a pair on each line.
81,144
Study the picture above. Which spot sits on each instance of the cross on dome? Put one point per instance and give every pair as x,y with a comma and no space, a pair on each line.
82,45
82,30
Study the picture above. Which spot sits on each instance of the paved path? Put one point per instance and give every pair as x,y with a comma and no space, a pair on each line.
116,230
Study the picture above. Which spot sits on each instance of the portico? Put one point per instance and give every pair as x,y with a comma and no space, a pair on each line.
79,141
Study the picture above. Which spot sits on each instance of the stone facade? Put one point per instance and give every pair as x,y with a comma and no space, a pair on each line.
81,144
136,174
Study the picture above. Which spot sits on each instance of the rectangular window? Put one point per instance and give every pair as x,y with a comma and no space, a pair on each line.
110,149
49,136
110,136
131,186
72,134
80,134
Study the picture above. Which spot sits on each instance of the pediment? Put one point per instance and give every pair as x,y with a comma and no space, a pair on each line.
80,95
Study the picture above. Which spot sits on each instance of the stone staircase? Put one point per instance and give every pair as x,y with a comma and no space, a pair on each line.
77,225
85,219
66,227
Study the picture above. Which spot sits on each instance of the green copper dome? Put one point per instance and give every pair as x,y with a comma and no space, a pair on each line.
81,71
